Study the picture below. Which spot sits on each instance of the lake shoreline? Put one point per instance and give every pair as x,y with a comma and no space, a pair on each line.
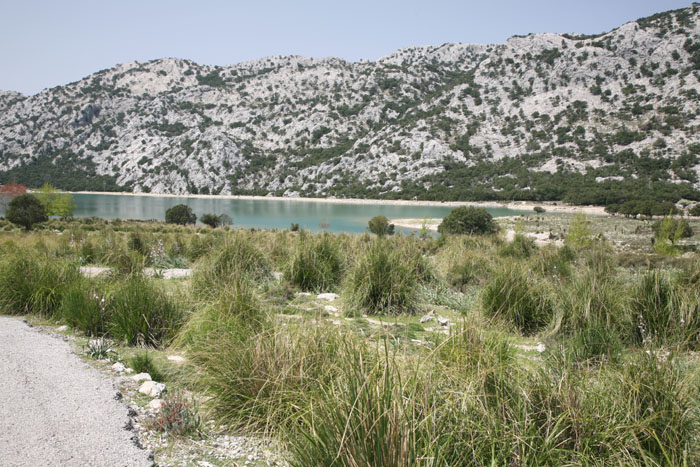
514,205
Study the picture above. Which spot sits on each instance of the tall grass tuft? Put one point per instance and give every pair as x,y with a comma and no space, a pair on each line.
143,363
514,296
666,313
140,313
259,380
373,414
384,279
595,299
236,258
84,307
34,283
235,310
316,263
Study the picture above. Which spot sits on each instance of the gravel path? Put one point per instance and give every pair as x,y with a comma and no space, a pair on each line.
55,409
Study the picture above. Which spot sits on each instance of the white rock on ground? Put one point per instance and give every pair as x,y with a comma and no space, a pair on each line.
426,318
330,308
176,359
443,321
155,405
152,389
327,296
141,377
118,367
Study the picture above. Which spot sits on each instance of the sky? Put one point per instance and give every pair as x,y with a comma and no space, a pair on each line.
49,43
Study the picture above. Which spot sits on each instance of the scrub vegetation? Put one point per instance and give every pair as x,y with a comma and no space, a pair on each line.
453,350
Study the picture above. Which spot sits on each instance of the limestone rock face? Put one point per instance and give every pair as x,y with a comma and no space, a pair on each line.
617,104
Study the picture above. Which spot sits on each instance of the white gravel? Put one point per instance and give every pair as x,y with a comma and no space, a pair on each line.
55,409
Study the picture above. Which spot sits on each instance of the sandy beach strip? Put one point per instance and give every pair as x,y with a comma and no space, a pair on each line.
516,205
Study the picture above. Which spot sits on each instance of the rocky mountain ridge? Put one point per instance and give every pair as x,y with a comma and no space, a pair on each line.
599,119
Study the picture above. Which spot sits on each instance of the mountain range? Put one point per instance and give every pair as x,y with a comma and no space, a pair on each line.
581,118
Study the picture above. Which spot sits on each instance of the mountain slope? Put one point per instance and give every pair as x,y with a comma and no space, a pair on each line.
582,118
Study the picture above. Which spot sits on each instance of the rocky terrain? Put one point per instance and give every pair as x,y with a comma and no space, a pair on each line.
595,119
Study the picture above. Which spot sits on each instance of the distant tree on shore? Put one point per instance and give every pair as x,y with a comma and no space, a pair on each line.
469,221
56,202
380,226
214,221
180,214
26,210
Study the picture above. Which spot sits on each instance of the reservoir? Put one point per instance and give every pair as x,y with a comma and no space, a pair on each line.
263,213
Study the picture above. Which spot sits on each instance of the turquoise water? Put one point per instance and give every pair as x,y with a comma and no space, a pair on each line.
261,213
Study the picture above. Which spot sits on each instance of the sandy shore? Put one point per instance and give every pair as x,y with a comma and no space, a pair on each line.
517,205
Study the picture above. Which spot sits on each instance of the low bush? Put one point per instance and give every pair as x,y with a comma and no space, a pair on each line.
178,415
468,221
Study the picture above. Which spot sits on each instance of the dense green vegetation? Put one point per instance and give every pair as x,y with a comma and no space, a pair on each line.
432,350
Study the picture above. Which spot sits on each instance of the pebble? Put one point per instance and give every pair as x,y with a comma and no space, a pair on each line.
62,328
141,377
426,318
119,367
330,308
176,359
443,321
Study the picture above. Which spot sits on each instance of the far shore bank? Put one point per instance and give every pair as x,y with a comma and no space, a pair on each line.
515,205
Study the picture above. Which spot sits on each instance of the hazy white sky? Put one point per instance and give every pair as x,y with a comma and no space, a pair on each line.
46,43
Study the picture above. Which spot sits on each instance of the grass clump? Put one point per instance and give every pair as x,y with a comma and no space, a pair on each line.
315,264
236,258
665,313
385,278
140,313
373,414
514,296
84,307
143,362
259,380
34,283
520,247
236,309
